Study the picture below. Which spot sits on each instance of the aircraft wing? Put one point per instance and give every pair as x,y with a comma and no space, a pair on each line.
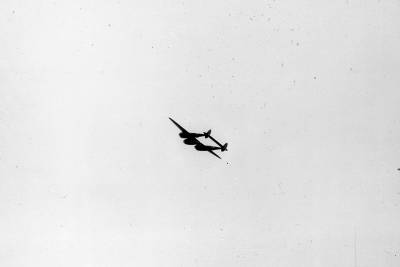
212,152
177,125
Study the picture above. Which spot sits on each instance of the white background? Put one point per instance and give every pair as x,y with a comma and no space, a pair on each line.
306,93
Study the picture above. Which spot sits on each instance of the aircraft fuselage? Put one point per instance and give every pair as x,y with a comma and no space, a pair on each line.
191,141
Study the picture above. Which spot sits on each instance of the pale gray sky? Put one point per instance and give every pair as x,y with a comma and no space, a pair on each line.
306,93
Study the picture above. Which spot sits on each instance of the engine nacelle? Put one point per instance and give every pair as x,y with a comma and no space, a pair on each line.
190,141
183,135
199,147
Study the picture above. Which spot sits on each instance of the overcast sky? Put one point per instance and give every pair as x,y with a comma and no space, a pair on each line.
306,93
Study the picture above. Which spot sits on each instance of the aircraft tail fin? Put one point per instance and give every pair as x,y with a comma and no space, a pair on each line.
224,147
207,134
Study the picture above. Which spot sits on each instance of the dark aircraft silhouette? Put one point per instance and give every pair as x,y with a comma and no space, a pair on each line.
191,139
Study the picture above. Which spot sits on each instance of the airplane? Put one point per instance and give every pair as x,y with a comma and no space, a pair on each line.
191,139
